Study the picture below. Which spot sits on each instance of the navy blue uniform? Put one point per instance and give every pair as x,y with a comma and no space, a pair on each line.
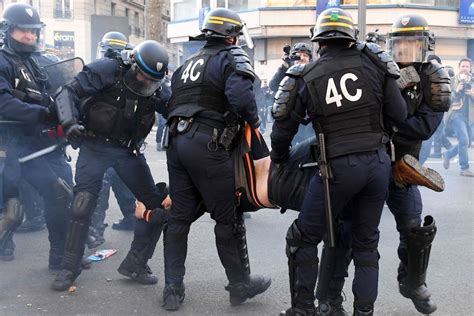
360,165
405,203
17,73
199,168
115,133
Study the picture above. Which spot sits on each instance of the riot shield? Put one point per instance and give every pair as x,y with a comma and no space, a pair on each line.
61,73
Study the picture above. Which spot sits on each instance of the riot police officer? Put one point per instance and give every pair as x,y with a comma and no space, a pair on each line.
110,127
425,88
24,104
112,44
427,92
346,93
211,97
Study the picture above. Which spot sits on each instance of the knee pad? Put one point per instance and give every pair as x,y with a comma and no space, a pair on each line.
83,204
295,239
12,218
366,258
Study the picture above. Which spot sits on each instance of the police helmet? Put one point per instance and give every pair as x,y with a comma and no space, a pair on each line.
111,45
302,48
410,39
222,23
24,17
149,64
334,24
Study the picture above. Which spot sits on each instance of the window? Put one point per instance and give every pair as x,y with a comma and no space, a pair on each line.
137,19
127,12
63,9
112,8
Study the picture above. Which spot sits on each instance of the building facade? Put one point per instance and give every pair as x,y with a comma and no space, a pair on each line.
274,23
74,27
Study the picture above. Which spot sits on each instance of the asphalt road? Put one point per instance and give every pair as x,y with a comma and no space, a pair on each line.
25,282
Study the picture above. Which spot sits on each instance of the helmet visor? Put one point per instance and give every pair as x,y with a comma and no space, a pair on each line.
140,83
407,49
245,36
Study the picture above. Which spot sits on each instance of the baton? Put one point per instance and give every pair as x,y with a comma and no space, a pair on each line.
42,152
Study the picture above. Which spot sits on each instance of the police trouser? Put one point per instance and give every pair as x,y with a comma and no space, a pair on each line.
125,198
95,157
361,181
198,173
406,206
32,202
40,173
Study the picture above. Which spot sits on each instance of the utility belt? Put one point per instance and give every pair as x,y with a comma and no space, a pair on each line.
126,143
222,136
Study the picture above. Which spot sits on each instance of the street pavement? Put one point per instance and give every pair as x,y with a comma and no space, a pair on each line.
25,282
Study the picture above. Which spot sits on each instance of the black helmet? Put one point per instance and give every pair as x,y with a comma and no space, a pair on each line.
333,24
410,39
302,48
111,45
223,23
21,16
149,64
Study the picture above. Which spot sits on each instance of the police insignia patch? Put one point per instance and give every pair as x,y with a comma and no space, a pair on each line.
405,21
29,11
159,66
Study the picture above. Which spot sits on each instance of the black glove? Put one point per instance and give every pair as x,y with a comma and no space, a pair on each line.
75,131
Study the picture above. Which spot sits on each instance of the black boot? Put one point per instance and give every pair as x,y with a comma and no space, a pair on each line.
331,309
6,252
295,311
126,223
239,292
134,266
358,312
94,239
173,296
420,296
32,225
64,279
55,258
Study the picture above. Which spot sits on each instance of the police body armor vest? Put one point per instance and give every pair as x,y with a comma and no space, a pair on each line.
26,87
119,115
193,91
345,109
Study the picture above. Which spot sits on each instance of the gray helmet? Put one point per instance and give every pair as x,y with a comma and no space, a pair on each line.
302,48
222,23
21,16
111,45
334,24
149,64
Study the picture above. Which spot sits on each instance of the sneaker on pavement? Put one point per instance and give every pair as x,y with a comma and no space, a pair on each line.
445,161
467,173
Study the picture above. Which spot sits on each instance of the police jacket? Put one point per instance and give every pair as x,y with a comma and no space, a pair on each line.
425,111
21,90
277,78
218,78
344,93
108,109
